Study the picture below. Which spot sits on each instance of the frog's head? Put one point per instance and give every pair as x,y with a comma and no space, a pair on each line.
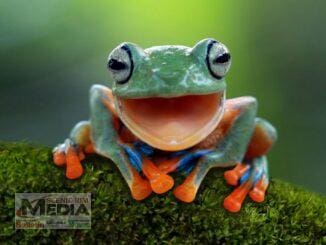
170,97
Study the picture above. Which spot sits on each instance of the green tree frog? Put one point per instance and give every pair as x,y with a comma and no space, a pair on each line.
166,111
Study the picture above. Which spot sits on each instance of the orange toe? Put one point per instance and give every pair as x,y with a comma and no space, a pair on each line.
231,204
257,195
234,201
231,177
59,158
140,189
162,183
74,172
74,167
185,192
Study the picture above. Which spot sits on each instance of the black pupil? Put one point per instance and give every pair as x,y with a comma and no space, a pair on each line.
223,58
116,65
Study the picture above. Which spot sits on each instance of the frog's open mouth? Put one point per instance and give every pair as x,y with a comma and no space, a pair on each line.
172,124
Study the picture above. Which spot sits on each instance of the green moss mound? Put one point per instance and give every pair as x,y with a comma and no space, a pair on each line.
289,214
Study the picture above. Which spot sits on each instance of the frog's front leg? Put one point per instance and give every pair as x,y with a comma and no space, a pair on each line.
107,142
71,152
228,144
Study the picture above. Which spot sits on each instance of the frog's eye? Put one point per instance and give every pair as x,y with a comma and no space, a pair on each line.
218,59
120,64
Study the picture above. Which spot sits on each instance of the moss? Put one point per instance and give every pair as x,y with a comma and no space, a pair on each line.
289,214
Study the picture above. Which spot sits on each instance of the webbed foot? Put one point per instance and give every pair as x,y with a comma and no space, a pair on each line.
70,155
140,188
159,181
251,178
187,191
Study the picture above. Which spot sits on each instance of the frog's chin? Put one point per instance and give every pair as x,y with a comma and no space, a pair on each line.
172,124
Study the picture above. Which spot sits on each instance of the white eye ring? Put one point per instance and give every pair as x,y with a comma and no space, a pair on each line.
120,64
218,59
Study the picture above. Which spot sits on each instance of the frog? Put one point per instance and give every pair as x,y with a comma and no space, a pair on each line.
165,110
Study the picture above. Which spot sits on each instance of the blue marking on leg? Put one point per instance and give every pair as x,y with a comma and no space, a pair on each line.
187,163
245,176
144,148
255,172
134,157
257,176
179,153
188,169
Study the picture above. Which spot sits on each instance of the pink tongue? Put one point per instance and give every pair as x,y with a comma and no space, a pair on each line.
172,123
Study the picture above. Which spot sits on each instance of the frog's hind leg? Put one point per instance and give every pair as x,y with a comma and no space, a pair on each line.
71,152
251,176
227,144
261,142
253,181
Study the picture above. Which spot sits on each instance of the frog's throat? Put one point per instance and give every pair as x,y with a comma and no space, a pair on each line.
172,124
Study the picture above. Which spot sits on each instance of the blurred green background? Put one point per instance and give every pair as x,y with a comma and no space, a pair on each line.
51,52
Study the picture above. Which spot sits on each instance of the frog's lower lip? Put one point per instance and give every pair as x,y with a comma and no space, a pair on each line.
172,124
